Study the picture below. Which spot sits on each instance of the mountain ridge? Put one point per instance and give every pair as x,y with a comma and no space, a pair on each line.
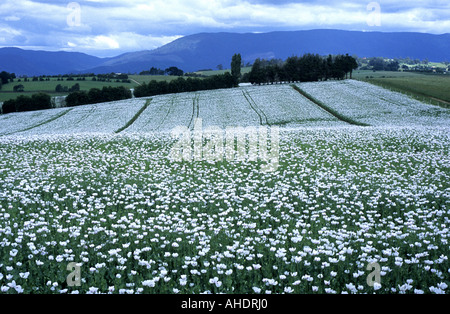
208,50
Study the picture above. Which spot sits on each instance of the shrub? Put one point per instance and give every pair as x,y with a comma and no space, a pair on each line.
180,85
77,99
19,88
40,101
9,106
75,88
23,103
95,96
61,89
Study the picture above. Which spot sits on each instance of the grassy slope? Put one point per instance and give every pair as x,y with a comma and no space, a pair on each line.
49,86
433,89
217,72
31,88
148,78
429,88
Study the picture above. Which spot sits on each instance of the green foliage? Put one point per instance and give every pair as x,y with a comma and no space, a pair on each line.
257,74
19,88
431,88
379,64
9,106
23,103
61,89
77,99
153,71
309,68
174,71
64,89
236,67
95,95
75,88
181,85
6,77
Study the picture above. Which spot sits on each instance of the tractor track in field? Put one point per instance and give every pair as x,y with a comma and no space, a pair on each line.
331,111
441,100
136,116
41,123
92,110
262,116
195,111
172,103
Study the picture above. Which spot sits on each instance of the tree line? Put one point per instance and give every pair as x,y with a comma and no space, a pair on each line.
181,85
6,78
380,64
171,71
23,103
96,95
65,89
42,101
308,68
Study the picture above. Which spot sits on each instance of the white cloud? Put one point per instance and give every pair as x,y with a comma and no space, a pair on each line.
114,44
8,31
12,18
127,25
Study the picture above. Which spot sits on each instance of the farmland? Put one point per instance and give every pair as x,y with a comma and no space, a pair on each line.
95,185
430,88
32,87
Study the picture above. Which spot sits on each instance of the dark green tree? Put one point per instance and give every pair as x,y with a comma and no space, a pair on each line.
155,71
236,63
5,77
9,106
392,66
339,68
377,64
257,75
19,88
40,101
77,99
350,65
95,95
75,88
329,67
174,71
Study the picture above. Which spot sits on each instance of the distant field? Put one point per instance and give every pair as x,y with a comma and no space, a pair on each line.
48,87
217,72
147,78
382,74
424,87
430,88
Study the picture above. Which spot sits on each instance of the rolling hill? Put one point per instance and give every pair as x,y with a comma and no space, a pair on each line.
29,62
207,50
161,195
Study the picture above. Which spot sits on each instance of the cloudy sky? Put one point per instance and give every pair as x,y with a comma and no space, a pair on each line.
112,27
